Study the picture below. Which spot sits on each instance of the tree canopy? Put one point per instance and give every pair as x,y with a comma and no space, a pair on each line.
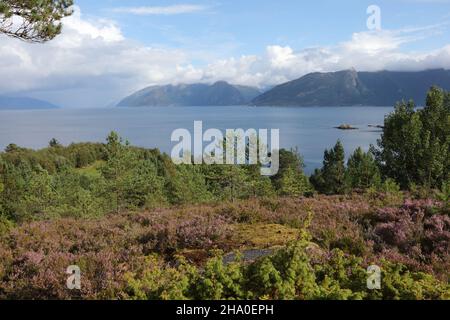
33,20
331,178
415,144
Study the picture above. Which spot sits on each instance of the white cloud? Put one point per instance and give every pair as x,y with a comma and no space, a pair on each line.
92,63
167,10
365,51
89,64
102,28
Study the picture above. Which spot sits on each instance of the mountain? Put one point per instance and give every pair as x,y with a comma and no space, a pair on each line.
24,103
218,94
349,88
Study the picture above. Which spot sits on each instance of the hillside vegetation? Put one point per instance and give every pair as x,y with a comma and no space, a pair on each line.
140,227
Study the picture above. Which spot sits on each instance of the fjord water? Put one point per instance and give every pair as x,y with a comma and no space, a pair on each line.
311,130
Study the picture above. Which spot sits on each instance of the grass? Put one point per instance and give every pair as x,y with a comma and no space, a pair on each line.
248,236
263,235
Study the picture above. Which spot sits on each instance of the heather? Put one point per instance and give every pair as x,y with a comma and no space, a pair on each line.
320,248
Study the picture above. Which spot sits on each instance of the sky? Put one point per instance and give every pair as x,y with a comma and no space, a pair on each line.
109,48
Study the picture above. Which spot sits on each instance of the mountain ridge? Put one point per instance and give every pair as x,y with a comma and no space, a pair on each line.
352,88
341,88
24,103
220,93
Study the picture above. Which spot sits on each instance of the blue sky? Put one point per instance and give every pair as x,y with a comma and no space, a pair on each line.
248,26
110,48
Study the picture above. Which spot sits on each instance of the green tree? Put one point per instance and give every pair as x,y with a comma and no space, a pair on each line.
230,182
131,180
399,147
187,184
290,179
15,180
3,218
435,119
331,178
37,198
12,147
53,143
415,145
77,195
294,183
117,170
33,20
362,171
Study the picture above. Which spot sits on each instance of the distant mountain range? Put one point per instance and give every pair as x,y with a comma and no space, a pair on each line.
24,103
218,94
343,88
352,88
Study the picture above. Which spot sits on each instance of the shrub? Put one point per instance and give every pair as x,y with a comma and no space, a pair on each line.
416,229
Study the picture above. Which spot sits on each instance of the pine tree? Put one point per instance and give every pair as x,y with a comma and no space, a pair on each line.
291,180
33,20
117,169
331,178
53,143
362,171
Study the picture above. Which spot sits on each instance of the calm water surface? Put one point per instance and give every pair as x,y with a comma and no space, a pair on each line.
309,129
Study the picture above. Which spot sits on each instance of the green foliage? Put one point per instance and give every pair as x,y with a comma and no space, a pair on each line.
294,183
89,180
391,191
414,152
34,20
415,144
53,143
290,180
289,274
221,282
398,283
38,196
56,159
145,255
342,278
5,224
228,182
362,171
12,147
331,178
131,181
187,184
443,195
390,187
157,281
